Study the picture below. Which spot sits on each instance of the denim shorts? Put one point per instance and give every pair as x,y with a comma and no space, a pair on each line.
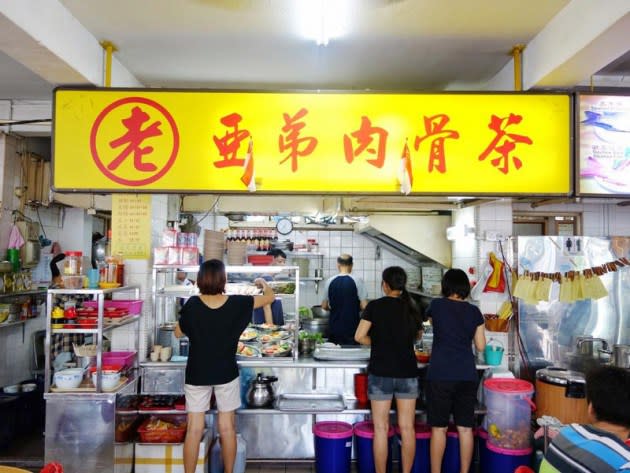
383,388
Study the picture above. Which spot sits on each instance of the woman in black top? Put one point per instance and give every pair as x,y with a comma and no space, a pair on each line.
391,325
213,323
452,376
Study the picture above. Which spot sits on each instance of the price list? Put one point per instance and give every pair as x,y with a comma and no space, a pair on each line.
131,225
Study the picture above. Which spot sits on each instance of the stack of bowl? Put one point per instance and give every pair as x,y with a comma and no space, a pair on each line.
213,245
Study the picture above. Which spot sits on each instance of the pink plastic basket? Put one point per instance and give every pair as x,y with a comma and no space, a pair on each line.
133,306
124,358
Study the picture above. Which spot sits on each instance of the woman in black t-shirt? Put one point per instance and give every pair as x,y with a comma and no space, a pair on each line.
213,323
391,325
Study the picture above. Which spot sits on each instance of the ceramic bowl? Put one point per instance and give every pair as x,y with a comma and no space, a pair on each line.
14,389
109,379
28,387
68,379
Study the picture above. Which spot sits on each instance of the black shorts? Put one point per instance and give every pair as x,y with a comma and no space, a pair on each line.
451,397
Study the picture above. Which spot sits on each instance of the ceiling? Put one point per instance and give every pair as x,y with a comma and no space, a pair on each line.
385,45
264,44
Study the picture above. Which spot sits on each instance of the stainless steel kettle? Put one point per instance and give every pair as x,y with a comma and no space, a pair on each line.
261,391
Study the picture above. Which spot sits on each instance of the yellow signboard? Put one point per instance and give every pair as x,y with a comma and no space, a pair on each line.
124,140
131,226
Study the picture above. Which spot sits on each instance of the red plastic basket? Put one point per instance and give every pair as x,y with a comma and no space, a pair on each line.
172,435
134,306
260,260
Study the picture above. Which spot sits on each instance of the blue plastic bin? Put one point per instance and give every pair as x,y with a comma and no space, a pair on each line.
364,438
422,460
333,446
500,460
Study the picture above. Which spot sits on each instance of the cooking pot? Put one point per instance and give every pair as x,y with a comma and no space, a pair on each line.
318,325
561,393
319,312
585,345
621,356
261,392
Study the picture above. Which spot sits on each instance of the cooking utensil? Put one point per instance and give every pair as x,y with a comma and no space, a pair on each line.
621,356
319,312
261,391
585,345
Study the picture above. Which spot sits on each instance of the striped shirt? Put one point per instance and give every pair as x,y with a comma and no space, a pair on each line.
585,449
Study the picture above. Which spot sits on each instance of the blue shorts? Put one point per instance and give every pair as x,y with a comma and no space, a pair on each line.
383,388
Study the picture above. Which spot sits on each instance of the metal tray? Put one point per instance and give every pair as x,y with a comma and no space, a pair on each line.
310,402
341,354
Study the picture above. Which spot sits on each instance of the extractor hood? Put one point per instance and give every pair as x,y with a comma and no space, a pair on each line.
420,240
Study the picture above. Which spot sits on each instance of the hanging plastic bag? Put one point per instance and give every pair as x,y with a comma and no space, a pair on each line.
565,290
543,289
496,279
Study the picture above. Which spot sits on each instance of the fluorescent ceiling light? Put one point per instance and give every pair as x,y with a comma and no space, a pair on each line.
323,20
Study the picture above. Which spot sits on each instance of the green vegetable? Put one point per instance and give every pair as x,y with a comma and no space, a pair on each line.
304,335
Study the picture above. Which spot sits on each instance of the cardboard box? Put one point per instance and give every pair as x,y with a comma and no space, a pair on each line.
123,457
169,457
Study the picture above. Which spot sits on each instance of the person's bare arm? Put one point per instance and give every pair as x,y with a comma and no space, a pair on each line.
361,335
325,305
178,331
363,304
268,314
480,338
267,296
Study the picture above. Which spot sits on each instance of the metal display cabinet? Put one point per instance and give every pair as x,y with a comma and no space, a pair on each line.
81,424
167,377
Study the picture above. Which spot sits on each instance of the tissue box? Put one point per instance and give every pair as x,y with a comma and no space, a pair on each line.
123,457
169,457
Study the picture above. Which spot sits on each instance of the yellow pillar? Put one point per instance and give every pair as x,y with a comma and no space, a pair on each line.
109,50
516,53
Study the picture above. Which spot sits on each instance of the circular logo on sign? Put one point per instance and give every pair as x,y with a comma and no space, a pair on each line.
134,141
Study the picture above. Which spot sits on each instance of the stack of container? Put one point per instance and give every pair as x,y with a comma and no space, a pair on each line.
508,425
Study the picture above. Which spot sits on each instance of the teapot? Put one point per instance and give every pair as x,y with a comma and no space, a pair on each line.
261,392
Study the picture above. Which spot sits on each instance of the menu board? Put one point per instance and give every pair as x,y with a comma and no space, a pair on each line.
604,145
131,225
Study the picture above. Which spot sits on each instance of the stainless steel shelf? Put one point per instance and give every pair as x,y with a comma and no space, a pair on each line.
12,324
106,328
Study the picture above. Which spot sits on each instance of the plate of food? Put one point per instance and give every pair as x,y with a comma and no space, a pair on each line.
277,349
274,336
245,351
248,335
267,328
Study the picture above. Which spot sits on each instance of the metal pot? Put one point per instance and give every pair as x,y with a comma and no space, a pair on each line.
585,345
261,392
319,325
621,356
319,312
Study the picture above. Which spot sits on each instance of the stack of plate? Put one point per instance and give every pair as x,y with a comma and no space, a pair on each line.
236,252
213,245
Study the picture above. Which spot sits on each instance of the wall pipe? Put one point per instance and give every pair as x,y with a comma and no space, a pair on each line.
516,53
109,50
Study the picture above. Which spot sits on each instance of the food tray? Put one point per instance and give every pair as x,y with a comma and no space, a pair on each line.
341,354
132,306
310,402
173,435
123,358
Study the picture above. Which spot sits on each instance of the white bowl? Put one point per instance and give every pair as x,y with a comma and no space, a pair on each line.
109,379
14,389
28,387
68,379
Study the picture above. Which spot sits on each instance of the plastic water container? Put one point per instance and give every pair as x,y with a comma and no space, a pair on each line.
422,460
451,461
509,406
216,461
500,460
364,438
482,448
333,446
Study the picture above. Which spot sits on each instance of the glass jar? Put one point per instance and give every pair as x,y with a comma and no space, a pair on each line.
72,264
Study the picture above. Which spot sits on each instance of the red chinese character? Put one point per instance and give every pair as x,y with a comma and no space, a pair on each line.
434,127
364,139
134,138
499,125
292,127
229,144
